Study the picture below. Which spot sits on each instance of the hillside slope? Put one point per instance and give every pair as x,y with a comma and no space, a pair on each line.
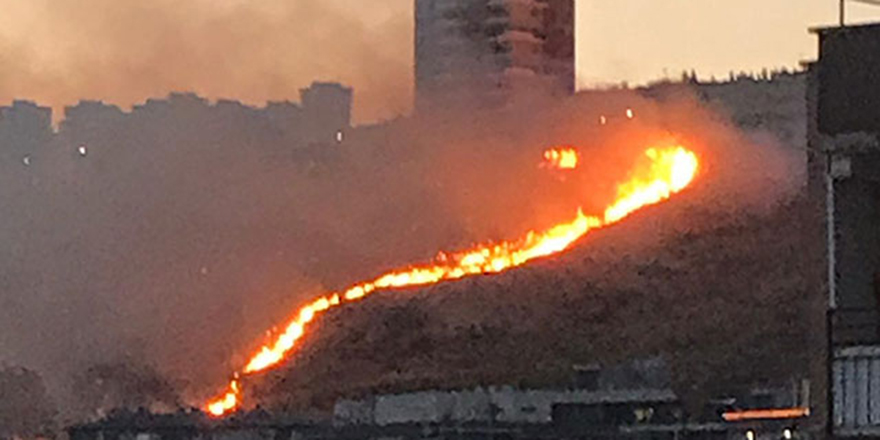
730,299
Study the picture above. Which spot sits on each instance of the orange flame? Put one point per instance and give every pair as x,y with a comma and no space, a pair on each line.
662,173
227,402
565,158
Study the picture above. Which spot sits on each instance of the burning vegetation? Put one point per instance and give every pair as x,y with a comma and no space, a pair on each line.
563,158
661,172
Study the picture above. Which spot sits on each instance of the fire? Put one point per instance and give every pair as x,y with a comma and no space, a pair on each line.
660,173
643,189
565,158
228,402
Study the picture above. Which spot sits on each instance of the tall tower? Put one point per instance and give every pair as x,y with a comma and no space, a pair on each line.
492,48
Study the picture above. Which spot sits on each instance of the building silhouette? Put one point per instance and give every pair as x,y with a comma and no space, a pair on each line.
844,182
25,127
326,111
491,48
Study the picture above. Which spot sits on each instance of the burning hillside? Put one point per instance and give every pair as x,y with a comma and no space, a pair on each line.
726,299
185,248
662,171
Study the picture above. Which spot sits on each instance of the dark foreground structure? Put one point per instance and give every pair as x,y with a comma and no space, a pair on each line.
572,425
844,96
628,401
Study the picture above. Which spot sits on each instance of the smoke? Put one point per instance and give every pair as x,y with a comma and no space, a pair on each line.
183,235
124,51
745,170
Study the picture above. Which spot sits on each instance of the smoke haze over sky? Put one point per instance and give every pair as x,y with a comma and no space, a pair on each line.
124,51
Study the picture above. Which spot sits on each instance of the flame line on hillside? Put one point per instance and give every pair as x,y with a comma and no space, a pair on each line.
667,171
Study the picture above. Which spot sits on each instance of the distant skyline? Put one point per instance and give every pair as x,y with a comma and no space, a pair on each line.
124,51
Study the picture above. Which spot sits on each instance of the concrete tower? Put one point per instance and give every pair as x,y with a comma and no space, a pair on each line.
492,48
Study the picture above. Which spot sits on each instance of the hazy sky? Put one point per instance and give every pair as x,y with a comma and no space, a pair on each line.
124,51
640,40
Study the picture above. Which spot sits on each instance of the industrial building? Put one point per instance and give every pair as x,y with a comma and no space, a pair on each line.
490,49
640,383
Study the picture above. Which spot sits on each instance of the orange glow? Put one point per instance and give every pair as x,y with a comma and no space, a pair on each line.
565,158
227,402
660,173
670,171
766,414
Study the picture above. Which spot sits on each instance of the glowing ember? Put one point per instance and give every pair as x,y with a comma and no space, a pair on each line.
561,158
661,173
